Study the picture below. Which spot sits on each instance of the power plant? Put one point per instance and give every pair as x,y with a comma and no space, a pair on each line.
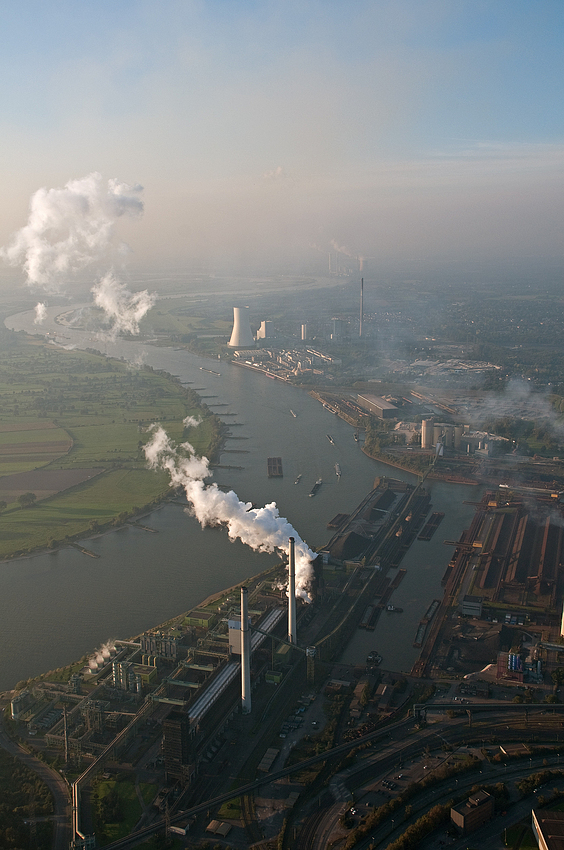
241,336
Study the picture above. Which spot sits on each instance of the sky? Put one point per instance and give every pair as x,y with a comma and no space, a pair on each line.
264,132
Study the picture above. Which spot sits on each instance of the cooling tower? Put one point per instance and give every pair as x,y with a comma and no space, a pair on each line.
241,336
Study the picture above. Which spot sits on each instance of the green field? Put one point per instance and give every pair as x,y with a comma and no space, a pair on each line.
76,410
116,809
178,316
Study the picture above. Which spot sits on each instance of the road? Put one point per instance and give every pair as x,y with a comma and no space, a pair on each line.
56,784
322,825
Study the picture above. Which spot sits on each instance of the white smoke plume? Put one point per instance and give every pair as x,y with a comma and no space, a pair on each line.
123,309
342,249
40,313
276,174
71,228
263,529
191,422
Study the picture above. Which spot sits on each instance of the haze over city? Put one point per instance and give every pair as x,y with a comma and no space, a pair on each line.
267,134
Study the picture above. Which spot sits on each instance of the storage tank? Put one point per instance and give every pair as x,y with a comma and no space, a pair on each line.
437,433
458,432
449,436
427,433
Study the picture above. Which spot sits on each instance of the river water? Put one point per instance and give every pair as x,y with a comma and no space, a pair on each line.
58,606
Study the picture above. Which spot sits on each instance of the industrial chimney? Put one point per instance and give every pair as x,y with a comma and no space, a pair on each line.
242,336
245,654
361,305
292,594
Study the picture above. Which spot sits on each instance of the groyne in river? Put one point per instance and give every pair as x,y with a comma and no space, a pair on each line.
58,606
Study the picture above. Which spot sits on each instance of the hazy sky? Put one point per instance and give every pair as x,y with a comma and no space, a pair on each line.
400,129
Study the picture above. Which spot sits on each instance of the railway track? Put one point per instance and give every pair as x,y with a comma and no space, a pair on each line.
248,815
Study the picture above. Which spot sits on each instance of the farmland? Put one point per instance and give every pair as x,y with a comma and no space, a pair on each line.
72,429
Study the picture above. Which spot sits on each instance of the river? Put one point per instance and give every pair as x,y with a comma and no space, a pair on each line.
59,606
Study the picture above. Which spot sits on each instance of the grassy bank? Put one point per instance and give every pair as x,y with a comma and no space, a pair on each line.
85,417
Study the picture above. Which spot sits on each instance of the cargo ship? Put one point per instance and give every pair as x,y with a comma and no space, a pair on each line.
316,487
337,470
298,479
431,526
330,438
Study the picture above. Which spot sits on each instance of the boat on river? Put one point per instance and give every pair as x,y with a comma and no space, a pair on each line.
338,470
330,438
298,479
316,487
295,415
394,609
274,467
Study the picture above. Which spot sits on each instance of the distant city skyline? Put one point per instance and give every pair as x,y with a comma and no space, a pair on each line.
276,132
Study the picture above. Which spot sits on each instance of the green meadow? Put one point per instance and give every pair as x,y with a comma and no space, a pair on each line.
77,410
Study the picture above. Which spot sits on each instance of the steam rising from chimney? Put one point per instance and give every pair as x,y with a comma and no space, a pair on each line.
71,228
263,529
40,312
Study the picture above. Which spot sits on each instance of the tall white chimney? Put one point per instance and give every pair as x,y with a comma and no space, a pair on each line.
245,654
361,305
242,336
292,637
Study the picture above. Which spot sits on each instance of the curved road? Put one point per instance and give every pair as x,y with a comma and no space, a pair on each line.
56,784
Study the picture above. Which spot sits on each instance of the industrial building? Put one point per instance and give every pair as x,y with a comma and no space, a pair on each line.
477,810
378,406
548,828
266,330
514,549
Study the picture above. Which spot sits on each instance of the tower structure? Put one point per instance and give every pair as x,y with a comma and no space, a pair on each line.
241,336
361,305
292,637
245,654
427,432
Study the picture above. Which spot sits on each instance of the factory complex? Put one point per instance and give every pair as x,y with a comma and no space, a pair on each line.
163,703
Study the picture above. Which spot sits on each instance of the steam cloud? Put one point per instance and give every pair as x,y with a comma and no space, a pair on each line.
123,309
40,313
342,249
73,227
191,422
263,529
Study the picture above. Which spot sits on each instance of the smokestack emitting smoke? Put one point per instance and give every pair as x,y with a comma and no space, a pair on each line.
245,654
361,304
292,636
71,228
263,529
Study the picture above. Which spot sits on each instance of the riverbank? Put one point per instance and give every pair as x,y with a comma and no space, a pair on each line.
75,454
